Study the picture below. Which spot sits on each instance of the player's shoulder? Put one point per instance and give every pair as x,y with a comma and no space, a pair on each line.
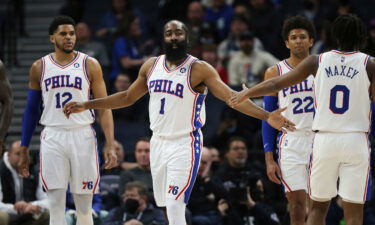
37,64
201,65
272,71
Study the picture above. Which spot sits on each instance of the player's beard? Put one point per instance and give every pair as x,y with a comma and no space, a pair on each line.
61,47
174,54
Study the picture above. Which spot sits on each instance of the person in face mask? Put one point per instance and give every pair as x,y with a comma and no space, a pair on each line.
135,209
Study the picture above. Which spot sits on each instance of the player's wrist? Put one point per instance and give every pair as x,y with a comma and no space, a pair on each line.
269,157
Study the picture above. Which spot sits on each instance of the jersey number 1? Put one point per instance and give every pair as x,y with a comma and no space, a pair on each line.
59,98
162,106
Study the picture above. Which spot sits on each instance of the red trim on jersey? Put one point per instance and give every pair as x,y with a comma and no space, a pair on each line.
85,70
43,69
366,60
66,65
191,167
41,165
188,78
280,147
344,53
97,163
287,64
179,66
315,104
153,67
193,114
320,58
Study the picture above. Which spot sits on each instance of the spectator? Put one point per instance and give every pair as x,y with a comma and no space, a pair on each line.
139,171
22,199
221,14
209,54
135,208
120,159
235,174
266,22
125,52
111,19
91,48
136,112
231,44
249,65
208,200
258,211
325,41
97,213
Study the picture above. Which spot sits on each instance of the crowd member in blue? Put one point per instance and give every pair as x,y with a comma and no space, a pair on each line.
294,147
221,15
125,52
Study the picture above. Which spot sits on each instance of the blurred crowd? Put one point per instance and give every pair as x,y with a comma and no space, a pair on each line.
240,39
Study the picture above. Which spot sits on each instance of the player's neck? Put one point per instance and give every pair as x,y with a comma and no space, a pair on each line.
63,57
173,64
294,60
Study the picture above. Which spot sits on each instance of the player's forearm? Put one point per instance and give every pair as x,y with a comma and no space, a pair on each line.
6,117
115,101
106,122
251,109
268,156
267,87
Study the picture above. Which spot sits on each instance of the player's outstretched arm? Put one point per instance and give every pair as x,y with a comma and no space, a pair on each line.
212,79
30,116
99,90
371,73
118,100
6,100
300,73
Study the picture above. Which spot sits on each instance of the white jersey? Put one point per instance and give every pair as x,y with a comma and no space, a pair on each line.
341,88
299,99
61,84
175,108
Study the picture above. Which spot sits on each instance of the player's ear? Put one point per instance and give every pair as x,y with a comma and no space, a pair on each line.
52,39
287,43
311,42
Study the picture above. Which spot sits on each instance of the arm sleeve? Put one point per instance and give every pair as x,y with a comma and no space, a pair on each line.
268,132
31,115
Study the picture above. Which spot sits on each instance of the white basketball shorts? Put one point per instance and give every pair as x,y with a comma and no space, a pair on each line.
69,156
294,153
174,166
340,165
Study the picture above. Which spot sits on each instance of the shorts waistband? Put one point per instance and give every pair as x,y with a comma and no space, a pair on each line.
301,132
67,128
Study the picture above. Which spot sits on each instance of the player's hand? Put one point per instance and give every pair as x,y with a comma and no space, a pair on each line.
73,107
238,97
20,206
23,164
33,209
279,122
273,171
223,207
110,158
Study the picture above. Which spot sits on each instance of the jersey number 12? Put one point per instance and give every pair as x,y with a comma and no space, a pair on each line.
66,97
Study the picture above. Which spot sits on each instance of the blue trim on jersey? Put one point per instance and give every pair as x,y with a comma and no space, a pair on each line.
369,186
197,157
197,111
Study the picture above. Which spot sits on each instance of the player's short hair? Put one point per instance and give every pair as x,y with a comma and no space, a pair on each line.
348,32
141,187
233,139
145,139
298,22
60,20
184,27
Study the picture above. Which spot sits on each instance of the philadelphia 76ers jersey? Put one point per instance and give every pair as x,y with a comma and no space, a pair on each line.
175,108
341,89
298,99
61,84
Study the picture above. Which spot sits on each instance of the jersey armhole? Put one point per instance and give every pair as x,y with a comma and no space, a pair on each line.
188,76
42,71
86,74
279,70
153,67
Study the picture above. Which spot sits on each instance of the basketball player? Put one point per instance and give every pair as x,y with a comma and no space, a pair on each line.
294,147
6,100
177,84
68,151
343,80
